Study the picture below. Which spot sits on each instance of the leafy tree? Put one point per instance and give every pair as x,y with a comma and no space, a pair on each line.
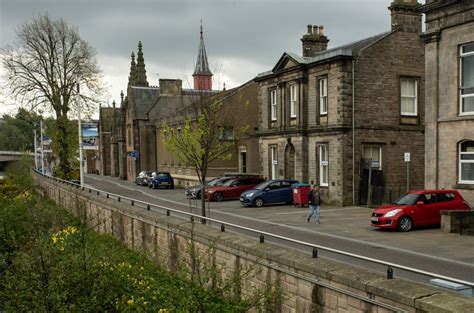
206,134
41,71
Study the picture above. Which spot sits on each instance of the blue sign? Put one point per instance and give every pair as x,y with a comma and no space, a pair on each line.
134,154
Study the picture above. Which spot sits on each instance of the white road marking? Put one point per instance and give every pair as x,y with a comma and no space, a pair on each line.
299,228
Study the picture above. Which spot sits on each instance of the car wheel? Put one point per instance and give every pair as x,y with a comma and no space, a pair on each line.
405,224
259,202
198,195
218,196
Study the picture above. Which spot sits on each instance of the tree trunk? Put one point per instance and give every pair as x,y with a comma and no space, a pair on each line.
63,134
203,197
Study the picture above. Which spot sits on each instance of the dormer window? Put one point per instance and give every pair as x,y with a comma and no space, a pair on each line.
293,101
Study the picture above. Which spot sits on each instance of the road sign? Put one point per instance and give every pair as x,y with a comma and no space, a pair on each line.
407,156
134,154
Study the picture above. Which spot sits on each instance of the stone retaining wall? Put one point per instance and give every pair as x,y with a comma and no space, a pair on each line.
301,283
453,221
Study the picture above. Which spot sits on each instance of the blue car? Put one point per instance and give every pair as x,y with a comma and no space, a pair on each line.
161,179
270,191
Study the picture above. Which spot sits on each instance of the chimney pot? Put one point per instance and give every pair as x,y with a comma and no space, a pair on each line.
310,29
315,29
321,29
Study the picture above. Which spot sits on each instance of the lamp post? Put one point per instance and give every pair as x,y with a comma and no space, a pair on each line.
35,124
41,143
81,169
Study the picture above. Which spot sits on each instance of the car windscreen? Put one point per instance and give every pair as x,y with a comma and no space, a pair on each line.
407,199
228,182
262,186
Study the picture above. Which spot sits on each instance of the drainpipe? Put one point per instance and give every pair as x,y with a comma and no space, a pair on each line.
353,134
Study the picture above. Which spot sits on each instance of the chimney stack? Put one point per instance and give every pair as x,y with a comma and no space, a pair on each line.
406,16
314,41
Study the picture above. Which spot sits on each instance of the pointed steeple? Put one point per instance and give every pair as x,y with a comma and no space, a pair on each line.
141,72
133,72
202,74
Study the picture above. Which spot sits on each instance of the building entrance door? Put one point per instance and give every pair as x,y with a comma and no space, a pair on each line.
290,161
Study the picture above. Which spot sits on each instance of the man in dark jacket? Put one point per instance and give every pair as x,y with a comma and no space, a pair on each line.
314,201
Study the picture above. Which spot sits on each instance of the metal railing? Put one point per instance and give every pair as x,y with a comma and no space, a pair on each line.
262,234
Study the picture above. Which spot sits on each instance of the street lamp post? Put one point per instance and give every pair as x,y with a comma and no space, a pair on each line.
81,169
35,147
41,143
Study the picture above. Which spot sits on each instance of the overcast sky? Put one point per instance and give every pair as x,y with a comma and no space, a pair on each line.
242,37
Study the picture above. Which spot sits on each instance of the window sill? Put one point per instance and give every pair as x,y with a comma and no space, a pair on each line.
323,114
293,117
466,186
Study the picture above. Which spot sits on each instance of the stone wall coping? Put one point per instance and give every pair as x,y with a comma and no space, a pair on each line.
457,212
419,295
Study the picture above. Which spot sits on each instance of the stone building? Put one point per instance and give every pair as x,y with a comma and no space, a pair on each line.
135,142
333,116
105,132
239,109
449,50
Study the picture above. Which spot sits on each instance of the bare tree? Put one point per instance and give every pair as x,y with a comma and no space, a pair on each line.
208,132
41,69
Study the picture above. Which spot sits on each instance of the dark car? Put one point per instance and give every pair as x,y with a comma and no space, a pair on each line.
232,188
142,178
195,191
270,191
416,208
161,179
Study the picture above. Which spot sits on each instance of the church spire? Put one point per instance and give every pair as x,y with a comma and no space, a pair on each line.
202,75
133,70
141,72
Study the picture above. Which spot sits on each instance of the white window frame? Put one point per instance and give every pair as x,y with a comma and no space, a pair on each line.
273,105
461,96
415,97
323,96
274,162
293,100
241,162
379,147
323,158
461,162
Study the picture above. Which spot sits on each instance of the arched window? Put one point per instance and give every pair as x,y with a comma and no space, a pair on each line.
466,162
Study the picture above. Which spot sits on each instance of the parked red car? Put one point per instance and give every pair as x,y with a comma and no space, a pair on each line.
416,208
232,188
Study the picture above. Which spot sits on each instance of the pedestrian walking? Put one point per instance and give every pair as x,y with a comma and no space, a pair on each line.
314,201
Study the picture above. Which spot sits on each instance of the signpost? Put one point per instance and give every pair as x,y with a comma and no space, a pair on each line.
407,161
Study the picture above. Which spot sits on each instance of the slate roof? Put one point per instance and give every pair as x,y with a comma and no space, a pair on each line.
202,66
352,49
143,99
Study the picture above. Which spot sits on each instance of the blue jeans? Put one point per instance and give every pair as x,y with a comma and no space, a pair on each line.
314,209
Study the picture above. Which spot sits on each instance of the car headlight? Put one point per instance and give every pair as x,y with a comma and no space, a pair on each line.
392,213
249,194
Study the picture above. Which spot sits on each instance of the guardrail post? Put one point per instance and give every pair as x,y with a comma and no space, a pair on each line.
315,253
222,228
192,219
262,238
148,207
108,196
168,213
90,190
389,272
133,202
98,193
118,198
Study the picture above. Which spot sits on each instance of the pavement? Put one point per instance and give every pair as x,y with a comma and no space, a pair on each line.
342,228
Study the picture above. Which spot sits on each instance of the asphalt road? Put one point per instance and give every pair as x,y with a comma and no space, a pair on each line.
345,229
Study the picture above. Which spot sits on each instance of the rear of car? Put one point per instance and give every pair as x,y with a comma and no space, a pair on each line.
269,192
161,180
142,178
417,208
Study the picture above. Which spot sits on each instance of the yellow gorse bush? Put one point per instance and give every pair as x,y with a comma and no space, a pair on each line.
59,238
